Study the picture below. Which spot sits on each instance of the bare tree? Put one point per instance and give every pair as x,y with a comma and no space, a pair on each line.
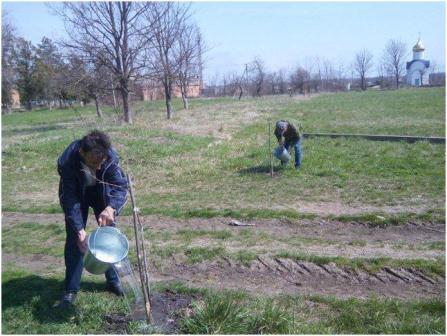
328,74
256,75
362,64
167,21
88,80
433,67
381,73
111,32
298,79
394,57
272,80
240,82
318,77
282,82
189,59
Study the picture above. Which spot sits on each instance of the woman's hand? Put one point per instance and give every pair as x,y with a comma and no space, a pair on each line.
107,217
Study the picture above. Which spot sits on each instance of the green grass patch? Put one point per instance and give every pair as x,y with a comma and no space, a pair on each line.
387,316
245,257
34,238
199,254
228,313
165,251
29,305
189,235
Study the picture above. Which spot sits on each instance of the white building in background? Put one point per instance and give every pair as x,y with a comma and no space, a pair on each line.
417,69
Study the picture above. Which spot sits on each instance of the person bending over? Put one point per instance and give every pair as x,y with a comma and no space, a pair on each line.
90,176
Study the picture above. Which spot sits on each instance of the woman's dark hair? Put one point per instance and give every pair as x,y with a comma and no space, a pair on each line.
96,140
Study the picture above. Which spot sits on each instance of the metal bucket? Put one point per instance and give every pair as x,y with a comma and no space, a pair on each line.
282,154
106,246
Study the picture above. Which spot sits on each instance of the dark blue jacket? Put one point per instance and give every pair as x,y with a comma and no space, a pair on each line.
73,183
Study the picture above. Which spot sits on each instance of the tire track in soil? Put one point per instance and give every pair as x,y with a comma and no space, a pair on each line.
275,276
286,276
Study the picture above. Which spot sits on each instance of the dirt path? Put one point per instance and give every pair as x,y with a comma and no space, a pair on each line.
285,276
413,232
270,275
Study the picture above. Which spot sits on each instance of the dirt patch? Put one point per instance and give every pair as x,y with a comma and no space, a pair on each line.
116,324
168,309
36,263
274,276
413,232
220,120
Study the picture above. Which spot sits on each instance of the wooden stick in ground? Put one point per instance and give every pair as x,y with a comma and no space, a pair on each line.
145,268
270,151
137,239
141,265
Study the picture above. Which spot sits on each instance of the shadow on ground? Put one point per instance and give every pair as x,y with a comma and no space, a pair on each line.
32,130
261,170
42,295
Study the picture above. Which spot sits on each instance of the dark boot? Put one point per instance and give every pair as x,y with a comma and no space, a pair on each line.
115,288
67,300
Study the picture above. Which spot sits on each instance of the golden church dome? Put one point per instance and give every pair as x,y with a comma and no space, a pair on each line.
419,46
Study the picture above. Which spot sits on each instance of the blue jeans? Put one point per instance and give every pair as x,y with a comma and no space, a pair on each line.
74,258
298,152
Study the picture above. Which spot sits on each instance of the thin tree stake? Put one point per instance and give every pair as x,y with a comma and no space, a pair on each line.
270,151
142,267
145,274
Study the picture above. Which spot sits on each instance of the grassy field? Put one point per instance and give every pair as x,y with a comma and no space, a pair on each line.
195,164
213,161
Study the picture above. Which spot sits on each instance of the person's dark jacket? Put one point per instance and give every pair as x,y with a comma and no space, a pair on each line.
73,183
291,135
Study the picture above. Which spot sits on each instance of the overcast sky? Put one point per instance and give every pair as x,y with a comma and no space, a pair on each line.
284,34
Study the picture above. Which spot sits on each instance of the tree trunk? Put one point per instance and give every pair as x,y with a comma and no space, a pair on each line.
168,108
185,100
168,101
29,106
98,107
126,108
113,93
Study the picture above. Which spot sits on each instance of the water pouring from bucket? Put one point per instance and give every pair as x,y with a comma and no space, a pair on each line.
106,246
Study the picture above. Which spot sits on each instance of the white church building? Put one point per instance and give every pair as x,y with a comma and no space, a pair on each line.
417,69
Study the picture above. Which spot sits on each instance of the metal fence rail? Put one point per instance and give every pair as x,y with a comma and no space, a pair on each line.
407,138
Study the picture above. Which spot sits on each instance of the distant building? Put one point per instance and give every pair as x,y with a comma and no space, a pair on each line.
417,69
153,91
